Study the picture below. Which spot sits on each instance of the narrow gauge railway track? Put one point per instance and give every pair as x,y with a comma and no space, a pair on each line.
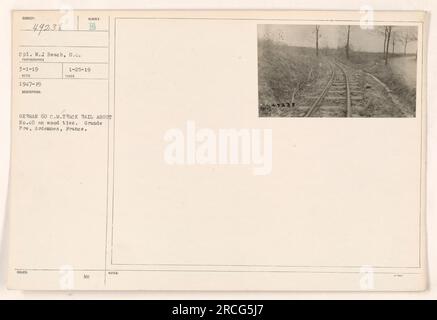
335,99
341,96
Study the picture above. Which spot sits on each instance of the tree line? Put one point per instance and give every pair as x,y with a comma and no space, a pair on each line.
390,35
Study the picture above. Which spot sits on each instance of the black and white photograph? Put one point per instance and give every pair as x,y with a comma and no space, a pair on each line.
332,71
202,155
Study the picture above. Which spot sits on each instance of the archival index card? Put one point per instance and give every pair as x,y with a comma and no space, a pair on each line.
218,150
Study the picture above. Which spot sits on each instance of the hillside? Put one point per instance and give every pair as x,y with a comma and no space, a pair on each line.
284,70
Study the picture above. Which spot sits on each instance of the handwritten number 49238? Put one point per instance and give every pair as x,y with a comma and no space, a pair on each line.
42,27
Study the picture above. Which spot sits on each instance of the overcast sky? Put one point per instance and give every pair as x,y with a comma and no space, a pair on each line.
335,37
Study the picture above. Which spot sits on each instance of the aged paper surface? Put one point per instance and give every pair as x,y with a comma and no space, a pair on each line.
219,150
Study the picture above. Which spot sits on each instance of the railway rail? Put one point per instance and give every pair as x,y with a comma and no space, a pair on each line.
341,96
336,98
337,90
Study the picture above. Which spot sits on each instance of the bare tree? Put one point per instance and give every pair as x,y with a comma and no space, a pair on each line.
407,37
388,32
348,29
393,41
280,36
317,39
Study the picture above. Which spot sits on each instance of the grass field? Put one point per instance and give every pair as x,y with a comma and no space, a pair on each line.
284,70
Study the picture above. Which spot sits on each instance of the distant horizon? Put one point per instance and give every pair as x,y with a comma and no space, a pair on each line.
341,48
334,37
